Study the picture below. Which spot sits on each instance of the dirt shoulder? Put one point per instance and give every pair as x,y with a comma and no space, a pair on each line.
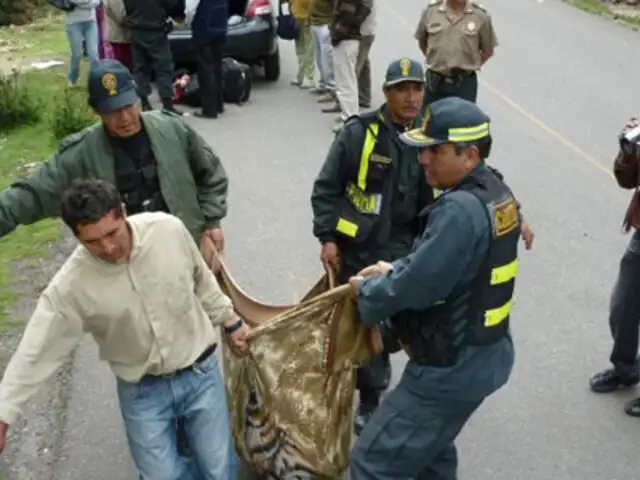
31,255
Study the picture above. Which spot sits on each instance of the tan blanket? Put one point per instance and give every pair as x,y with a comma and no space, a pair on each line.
291,399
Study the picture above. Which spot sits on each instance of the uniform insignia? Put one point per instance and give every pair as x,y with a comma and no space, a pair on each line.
110,83
471,27
375,158
405,66
435,2
479,6
506,216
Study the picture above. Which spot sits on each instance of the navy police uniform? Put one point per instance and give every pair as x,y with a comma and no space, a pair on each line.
448,302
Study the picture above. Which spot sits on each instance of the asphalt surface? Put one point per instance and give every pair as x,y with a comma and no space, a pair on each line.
560,87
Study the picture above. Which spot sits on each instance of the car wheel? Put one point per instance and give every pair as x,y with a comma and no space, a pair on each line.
272,67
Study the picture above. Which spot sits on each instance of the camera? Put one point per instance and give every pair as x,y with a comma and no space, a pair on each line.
629,138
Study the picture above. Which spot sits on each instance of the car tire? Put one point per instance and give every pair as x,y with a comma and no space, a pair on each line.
272,67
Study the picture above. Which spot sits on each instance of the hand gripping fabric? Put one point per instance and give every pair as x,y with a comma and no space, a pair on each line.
291,399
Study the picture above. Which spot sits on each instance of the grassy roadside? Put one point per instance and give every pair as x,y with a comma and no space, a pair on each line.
22,148
625,14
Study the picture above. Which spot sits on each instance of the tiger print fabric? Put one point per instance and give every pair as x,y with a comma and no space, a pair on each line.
291,399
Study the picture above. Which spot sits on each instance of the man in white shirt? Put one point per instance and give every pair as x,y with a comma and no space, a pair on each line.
140,287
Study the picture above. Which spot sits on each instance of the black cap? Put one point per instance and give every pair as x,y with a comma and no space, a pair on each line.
449,120
404,70
111,86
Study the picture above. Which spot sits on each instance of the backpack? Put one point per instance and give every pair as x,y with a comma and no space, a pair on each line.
236,81
287,27
64,5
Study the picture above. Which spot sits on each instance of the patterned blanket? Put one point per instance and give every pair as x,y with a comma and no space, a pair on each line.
291,399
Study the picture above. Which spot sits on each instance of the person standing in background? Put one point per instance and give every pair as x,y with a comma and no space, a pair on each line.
209,33
363,66
304,45
346,23
320,17
117,35
104,51
149,22
82,32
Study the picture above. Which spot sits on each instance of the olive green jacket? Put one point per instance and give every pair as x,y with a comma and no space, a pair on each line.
192,179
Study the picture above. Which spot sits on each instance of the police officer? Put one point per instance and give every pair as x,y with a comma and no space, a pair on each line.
150,22
448,302
457,38
367,196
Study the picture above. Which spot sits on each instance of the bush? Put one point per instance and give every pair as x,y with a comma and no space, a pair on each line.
70,114
19,105
19,12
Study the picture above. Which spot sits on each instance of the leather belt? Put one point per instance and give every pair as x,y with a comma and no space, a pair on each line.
210,350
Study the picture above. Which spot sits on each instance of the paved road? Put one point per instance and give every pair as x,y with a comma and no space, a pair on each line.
559,88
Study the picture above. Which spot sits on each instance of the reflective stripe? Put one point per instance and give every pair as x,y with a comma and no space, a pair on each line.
468,134
348,228
498,315
504,273
367,150
370,204
436,193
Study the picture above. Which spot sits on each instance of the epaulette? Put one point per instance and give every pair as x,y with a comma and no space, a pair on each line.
479,6
433,3
73,139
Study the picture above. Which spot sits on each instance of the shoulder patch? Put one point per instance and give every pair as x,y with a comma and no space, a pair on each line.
479,6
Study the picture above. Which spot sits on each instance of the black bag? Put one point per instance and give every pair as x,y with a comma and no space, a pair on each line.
64,5
236,81
287,28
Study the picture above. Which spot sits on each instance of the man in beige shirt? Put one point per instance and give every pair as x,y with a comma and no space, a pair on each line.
140,287
457,38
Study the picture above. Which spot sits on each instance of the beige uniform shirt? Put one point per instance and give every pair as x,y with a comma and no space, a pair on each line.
455,44
151,315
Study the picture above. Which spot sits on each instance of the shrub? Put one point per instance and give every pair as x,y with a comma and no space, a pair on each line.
19,12
70,114
19,104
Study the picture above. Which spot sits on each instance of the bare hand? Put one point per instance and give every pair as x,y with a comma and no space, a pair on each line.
239,339
209,246
380,268
527,235
329,255
217,236
3,435
355,283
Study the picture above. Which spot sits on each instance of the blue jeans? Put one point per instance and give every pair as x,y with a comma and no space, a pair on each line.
624,316
149,409
78,34
324,56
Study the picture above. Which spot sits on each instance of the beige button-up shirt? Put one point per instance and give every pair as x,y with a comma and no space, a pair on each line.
151,315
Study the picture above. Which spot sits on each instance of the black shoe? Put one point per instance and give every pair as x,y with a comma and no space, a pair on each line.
334,109
146,105
210,116
632,408
363,415
167,104
609,380
365,105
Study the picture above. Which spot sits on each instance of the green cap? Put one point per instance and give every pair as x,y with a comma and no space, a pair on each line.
404,70
449,120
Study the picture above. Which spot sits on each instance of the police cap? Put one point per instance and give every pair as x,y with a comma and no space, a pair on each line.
450,120
111,86
403,70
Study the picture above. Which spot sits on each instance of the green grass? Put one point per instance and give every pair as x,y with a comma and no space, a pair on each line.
629,15
31,144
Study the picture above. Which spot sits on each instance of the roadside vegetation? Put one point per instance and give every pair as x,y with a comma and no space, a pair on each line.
36,110
624,13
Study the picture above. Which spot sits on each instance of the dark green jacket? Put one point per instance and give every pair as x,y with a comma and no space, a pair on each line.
347,18
192,179
403,200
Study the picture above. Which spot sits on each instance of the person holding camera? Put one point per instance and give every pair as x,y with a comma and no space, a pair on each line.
624,317
156,160
139,285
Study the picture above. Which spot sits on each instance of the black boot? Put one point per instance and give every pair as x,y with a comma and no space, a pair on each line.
167,104
146,105
609,380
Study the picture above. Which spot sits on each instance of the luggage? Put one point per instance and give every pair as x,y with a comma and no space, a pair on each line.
236,80
236,84
291,400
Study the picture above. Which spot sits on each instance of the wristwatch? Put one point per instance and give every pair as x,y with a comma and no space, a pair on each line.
233,327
